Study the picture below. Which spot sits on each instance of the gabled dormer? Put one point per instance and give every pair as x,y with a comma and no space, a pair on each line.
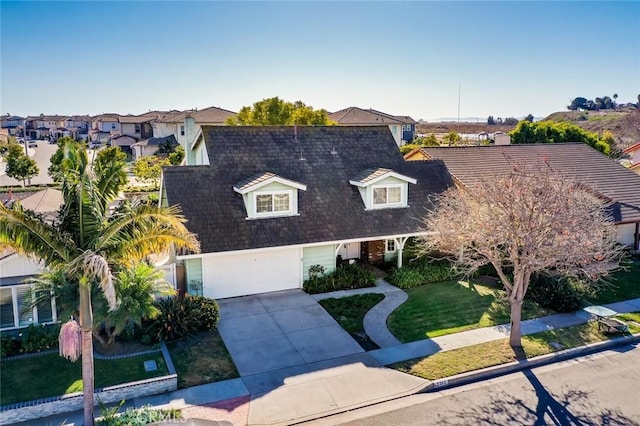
383,188
269,195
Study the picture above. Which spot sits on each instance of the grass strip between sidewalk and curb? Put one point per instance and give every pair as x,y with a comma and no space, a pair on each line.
451,363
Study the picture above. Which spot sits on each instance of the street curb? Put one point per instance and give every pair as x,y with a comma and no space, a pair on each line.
501,370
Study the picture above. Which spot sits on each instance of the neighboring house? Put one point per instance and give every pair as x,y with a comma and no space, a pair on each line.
185,125
150,146
125,142
269,202
77,126
44,126
14,125
139,126
104,126
402,127
15,268
633,155
579,161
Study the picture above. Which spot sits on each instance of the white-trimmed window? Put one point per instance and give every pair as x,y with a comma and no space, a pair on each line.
13,313
390,246
181,130
385,196
137,128
273,203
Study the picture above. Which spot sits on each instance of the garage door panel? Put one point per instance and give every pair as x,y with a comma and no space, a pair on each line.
252,273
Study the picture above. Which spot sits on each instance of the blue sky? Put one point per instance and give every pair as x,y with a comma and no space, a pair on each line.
509,58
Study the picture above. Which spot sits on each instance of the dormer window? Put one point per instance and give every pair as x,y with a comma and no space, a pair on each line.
388,196
383,188
273,203
269,195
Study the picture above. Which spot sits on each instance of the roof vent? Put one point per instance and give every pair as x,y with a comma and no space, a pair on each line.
333,151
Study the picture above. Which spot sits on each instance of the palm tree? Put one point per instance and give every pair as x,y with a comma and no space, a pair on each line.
91,239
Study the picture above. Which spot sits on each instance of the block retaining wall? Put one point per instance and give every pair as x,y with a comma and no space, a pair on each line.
30,410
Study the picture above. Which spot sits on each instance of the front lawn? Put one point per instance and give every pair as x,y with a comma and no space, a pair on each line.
202,358
624,285
470,358
349,312
50,375
453,306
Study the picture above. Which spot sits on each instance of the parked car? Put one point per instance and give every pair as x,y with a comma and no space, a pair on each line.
94,145
33,144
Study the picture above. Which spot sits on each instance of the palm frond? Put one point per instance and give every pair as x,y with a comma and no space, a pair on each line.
29,234
95,268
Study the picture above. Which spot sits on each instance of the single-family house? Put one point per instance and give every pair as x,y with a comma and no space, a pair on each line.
632,155
269,202
77,127
44,126
185,125
579,161
402,127
14,124
16,268
104,126
150,146
138,126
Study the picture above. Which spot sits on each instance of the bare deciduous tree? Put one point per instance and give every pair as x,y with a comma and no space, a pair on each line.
528,221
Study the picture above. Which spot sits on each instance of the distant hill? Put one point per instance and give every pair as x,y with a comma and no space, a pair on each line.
624,124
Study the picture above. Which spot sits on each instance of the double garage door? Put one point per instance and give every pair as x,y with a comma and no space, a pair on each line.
243,274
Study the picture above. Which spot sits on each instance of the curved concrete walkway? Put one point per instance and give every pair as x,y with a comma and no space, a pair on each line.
375,321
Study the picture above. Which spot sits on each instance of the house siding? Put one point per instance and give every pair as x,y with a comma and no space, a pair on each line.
324,256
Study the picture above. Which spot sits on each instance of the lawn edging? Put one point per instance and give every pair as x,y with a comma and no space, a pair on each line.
30,410
512,367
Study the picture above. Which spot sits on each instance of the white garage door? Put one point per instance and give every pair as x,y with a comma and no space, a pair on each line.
244,274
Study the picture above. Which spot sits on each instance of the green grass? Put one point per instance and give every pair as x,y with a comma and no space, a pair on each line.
202,358
450,363
453,306
625,285
350,311
45,376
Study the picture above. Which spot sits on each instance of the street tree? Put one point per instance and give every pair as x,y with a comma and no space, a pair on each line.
149,169
529,221
55,167
277,112
90,241
19,165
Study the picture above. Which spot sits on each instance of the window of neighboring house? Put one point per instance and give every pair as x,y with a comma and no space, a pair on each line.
394,129
387,195
181,130
273,203
113,126
390,246
137,128
12,308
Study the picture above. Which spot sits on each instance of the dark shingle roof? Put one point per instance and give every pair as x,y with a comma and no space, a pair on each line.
603,175
331,209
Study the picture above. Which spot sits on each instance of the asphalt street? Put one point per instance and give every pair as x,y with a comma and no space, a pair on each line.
42,154
600,389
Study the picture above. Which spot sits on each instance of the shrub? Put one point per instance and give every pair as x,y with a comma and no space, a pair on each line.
181,316
9,345
421,272
36,338
343,278
561,294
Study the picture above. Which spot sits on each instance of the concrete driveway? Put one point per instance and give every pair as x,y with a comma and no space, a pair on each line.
282,329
